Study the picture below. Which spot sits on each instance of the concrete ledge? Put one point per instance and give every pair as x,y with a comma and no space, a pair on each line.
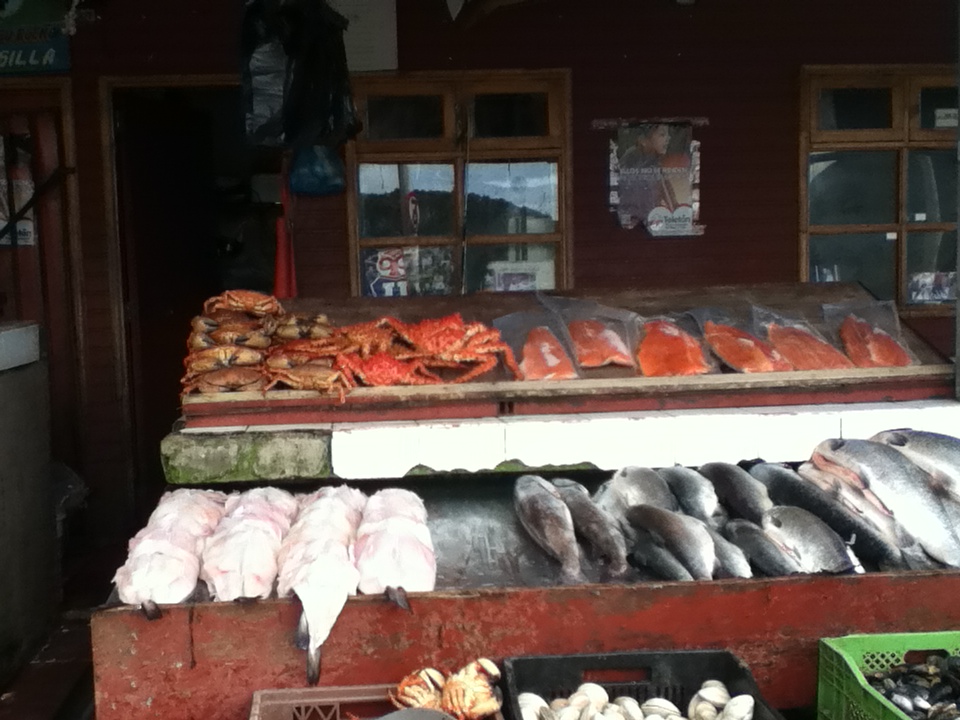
245,456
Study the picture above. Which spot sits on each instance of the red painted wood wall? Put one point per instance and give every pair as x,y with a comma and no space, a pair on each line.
735,62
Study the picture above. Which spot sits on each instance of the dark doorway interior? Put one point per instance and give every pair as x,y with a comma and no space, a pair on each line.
196,210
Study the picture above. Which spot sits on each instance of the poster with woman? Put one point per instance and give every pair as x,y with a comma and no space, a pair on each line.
655,177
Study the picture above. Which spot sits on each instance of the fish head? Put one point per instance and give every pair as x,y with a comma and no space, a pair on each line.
835,456
779,526
567,484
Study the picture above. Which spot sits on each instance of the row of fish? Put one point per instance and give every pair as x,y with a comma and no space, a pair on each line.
890,502
322,547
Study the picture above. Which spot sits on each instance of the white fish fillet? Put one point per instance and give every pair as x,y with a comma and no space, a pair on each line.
163,560
240,559
394,548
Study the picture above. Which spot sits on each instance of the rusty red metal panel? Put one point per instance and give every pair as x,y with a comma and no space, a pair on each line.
205,661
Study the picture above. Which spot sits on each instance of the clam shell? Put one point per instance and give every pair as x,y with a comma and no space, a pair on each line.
717,696
705,710
740,707
559,703
631,708
546,713
714,683
590,713
529,713
598,696
613,712
570,712
659,706
580,700
531,700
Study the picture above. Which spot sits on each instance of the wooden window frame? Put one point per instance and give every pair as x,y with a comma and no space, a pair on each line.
906,82
457,146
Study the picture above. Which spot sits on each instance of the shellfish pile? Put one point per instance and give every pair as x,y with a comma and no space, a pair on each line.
924,691
590,701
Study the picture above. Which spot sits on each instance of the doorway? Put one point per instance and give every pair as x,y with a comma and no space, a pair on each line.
196,212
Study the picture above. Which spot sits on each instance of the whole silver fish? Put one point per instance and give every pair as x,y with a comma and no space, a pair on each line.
870,543
899,486
595,525
631,486
743,494
685,537
762,552
937,454
731,562
651,553
547,520
695,494
808,540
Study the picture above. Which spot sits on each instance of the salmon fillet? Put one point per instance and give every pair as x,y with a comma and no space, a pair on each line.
804,350
544,357
596,344
870,347
666,350
742,351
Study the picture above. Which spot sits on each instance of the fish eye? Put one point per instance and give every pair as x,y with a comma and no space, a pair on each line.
776,522
836,443
897,440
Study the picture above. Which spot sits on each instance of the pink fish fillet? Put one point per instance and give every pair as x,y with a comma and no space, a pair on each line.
163,560
394,548
240,559
316,563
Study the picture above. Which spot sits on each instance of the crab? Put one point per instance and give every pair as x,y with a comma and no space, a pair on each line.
384,369
450,342
470,693
235,336
199,341
225,380
311,376
294,327
420,689
247,301
221,356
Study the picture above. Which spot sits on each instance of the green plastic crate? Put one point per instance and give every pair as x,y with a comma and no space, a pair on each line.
842,691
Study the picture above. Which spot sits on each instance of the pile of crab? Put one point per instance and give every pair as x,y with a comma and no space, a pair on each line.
468,694
245,341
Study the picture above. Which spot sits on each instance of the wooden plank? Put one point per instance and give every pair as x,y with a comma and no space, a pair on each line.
205,660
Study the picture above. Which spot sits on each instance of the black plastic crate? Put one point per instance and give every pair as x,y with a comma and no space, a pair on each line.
674,675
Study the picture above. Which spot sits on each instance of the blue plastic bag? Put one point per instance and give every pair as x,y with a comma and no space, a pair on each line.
317,170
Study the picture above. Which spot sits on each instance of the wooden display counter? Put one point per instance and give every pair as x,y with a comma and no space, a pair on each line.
601,390
205,661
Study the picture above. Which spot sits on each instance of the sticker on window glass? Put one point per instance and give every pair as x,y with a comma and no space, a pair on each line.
920,217
945,117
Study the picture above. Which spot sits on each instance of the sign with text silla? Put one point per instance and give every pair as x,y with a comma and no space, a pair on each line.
32,39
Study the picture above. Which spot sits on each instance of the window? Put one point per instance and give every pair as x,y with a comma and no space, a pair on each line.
879,182
460,183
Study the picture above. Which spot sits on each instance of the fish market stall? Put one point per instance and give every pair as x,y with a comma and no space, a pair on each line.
361,583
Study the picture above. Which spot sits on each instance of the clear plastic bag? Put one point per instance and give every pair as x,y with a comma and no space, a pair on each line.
600,335
540,344
735,345
798,341
671,346
869,333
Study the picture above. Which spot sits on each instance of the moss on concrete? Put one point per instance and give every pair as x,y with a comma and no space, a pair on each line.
203,458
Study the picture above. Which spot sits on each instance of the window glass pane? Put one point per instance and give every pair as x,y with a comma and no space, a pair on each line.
852,187
510,115
938,107
511,197
931,267
406,271
932,186
510,268
868,259
855,108
405,199
404,117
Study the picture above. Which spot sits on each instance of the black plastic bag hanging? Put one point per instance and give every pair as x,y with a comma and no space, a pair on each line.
264,73
316,103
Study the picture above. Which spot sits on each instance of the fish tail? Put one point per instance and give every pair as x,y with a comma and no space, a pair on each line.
302,640
151,610
313,666
398,596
